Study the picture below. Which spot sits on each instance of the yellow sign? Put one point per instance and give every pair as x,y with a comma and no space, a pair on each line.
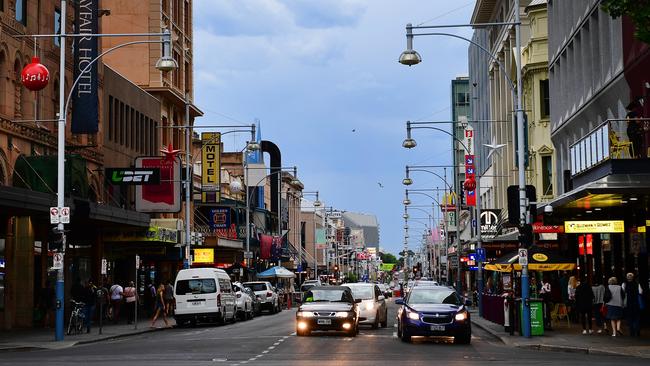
647,222
210,167
594,227
204,255
540,257
641,229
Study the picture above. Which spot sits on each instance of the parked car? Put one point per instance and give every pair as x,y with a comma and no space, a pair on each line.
244,301
307,284
255,301
373,304
328,308
433,311
267,296
204,294
425,283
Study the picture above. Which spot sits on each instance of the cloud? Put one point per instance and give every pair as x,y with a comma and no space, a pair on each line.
326,13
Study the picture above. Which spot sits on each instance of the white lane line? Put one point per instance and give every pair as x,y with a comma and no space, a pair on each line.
285,337
265,351
277,343
252,359
272,347
394,334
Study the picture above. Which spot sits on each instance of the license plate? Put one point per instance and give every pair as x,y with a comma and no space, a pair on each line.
324,321
196,303
438,328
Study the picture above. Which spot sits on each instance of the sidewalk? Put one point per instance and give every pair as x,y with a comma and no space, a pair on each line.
42,338
564,338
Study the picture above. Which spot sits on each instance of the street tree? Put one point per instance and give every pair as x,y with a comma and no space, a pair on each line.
637,10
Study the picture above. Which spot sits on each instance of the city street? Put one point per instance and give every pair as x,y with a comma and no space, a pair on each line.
271,340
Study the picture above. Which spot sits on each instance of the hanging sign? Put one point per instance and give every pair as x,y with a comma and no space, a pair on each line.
211,167
85,101
594,227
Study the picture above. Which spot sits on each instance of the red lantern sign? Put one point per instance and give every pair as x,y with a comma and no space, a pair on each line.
35,75
470,184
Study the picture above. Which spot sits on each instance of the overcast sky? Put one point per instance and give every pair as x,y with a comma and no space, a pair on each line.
323,79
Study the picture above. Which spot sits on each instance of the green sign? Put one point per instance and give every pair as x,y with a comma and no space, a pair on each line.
536,317
387,267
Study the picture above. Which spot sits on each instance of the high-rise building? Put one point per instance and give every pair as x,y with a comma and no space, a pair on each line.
460,111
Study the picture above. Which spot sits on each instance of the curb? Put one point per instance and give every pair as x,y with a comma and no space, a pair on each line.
491,332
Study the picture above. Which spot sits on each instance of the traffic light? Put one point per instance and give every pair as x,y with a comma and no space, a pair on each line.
526,235
513,202
55,240
336,268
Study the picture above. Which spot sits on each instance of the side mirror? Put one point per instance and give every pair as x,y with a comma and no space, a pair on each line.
357,301
381,298
399,302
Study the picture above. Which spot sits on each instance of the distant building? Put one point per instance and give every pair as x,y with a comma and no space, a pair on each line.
460,111
367,223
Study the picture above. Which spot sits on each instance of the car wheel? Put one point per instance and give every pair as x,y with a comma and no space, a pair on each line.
465,338
353,332
375,325
384,324
222,317
234,316
403,335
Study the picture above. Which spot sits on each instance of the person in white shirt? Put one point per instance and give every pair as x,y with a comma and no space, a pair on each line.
116,292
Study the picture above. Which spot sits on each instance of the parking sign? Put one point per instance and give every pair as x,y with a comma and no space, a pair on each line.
523,256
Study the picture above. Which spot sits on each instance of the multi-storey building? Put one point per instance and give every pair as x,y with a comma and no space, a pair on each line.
460,112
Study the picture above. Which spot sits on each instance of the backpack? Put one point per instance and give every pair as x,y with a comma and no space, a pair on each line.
607,297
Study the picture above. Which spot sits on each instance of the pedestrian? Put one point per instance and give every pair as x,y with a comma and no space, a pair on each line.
160,306
633,293
584,304
169,298
545,294
89,300
150,299
47,301
615,300
599,308
117,294
571,293
101,294
130,296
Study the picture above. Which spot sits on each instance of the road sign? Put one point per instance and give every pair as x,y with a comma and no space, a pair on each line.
480,254
523,256
54,215
104,266
137,261
58,261
65,215
248,255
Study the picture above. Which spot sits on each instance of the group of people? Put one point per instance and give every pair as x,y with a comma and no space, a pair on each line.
158,301
586,300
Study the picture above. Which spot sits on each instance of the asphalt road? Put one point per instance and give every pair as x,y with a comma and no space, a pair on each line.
271,340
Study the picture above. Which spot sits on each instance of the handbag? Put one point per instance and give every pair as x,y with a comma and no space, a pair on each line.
603,310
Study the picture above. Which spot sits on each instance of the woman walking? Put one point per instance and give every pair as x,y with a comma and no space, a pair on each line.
584,304
571,292
160,306
130,295
599,293
615,301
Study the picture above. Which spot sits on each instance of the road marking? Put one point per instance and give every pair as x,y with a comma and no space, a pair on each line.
219,359
252,359
272,347
277,343
265,351
394,334
395,325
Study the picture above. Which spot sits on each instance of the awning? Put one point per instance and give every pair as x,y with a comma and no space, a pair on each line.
276,272
227,243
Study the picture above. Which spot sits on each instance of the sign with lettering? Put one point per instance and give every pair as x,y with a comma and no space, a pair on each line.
594,227
164,196
211,167
220,218
85,101
490,222
132,176
203,255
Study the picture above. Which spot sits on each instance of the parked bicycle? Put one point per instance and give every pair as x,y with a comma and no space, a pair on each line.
77,317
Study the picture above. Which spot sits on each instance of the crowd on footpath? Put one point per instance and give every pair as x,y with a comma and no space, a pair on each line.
111,301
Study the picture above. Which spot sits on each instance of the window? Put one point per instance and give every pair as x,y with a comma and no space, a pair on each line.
188,78
111,115
57,26
186,14
544,98
177,72
195,287
21,11
547,175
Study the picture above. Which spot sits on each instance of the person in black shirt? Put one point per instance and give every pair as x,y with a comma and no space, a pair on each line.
89,295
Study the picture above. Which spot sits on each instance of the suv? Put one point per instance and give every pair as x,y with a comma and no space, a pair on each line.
309,284
267,296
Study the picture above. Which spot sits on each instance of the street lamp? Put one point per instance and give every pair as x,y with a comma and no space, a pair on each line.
409,57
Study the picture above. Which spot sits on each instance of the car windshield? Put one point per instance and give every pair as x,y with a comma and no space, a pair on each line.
433,296
198,286
362,292
256,286
325,295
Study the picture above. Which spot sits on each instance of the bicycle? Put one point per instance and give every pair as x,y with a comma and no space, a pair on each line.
77,318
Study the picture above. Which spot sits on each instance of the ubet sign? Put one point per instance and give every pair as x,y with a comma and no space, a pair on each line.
133,176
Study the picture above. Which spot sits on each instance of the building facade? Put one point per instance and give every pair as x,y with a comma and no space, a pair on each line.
460,112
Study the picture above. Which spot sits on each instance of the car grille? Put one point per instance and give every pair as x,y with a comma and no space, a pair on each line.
330,314
437,318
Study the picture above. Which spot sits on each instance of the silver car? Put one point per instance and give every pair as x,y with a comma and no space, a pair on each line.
373,303
266,294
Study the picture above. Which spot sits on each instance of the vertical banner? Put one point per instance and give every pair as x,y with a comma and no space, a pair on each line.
163,197
210,167
85,101
470,168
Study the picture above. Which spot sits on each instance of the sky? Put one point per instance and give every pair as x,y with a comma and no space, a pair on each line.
323,79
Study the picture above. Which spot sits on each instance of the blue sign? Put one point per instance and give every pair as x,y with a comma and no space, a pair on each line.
480,254
470,171
469,159
220,218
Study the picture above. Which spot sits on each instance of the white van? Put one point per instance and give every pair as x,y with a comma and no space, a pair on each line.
204,294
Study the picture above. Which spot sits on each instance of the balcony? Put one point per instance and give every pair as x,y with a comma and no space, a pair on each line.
626,141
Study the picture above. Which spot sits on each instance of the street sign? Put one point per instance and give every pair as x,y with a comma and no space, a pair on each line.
137,261
58,261
248,255
104,266
54,215
65,215
480,254
523,256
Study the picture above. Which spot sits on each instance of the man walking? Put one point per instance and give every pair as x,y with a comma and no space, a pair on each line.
117,293
633,291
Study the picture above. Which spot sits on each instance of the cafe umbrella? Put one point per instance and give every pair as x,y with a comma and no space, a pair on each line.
539,259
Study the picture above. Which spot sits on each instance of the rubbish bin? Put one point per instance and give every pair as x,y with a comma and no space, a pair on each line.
536,317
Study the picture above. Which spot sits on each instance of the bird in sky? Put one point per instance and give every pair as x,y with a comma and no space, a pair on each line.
354,130
380,185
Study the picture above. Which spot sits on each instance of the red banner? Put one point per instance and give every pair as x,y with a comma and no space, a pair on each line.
470,173
539,227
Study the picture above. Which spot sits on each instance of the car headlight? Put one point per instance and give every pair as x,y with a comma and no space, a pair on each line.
341,314
413,315
305,314
461,316
370,306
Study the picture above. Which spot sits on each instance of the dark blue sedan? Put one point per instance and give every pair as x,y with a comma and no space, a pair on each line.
433,311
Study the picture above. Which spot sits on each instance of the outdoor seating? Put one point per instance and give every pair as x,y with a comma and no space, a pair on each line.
618,147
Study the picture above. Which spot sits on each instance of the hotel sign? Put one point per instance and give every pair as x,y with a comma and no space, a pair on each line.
211,167
594,227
